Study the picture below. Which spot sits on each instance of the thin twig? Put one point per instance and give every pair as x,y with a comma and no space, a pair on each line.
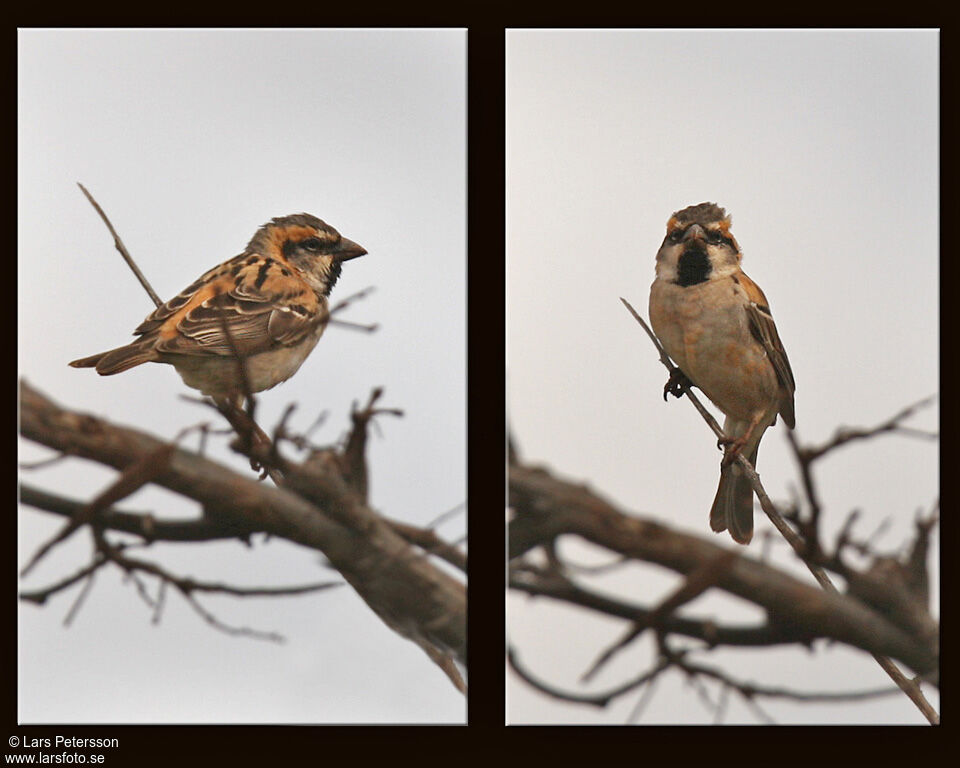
133,477
761,714
87,586
695,584
214,622
844,435
444,516
122,248
597,699
353,297
160,602
722,705
40,596
429,542
188,585
365,327
142,524
44,463
645,698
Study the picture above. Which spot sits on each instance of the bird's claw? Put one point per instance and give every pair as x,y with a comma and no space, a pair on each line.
677,384
731,448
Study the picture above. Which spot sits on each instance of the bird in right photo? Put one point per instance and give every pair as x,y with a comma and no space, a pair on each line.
659,570
715,322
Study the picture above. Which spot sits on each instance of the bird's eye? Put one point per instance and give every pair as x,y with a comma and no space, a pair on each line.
675,236
714,237
312,244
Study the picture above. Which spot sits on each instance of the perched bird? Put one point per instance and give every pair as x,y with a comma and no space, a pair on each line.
266,307
715,323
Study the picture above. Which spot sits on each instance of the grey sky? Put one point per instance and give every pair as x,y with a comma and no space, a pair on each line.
190,140
823,145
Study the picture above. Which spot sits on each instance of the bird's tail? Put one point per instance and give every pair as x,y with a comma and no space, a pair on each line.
120,359
733,505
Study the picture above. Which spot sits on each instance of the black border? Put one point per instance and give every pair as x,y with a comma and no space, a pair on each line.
485,735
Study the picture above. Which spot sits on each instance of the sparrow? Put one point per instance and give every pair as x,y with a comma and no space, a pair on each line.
266,307
715,323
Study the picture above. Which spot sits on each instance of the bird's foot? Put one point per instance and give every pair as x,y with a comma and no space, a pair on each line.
732,447
677,384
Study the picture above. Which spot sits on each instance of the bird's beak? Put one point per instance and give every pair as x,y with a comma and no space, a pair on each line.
349,250
695,232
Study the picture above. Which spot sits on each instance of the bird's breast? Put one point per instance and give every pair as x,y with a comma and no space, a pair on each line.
704,329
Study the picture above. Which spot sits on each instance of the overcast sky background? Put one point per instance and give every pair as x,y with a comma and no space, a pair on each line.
823,145
190,140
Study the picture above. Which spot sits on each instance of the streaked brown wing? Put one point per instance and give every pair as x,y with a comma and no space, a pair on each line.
256,303
252,326
156,318
764,330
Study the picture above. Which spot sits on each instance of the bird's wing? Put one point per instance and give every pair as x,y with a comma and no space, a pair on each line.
764,330
249,304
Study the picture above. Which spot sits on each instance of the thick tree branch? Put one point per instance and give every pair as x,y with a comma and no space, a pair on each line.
558,587
142,524
409,592
547,507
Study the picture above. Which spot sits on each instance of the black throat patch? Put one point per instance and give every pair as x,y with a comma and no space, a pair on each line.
335,269
693,267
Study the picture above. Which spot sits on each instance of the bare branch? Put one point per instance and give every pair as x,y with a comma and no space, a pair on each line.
554,585
448,665
160,602
365,327
596,699
188,585
351,299
646,696
214,622
444,516
752,690
695,584
43,463
844,435
430,543
315,508
134,477
81,598
141,524
40,596
122,248
547,507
